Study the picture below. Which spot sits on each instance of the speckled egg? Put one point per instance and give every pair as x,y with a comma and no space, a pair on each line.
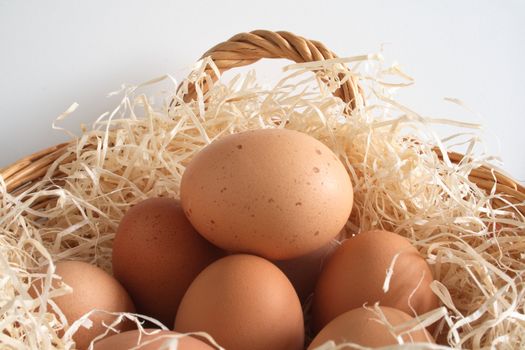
157,254
276,193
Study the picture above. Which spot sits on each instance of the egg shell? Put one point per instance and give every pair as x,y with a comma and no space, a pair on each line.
275,193
364,327
131,339
243,302
355,274
157,254
304,271
93,288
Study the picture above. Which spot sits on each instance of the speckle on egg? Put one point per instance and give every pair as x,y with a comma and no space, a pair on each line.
273,164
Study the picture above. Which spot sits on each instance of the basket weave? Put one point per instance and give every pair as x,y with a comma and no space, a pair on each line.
244,49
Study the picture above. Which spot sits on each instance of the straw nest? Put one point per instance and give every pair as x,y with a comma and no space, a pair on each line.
405,181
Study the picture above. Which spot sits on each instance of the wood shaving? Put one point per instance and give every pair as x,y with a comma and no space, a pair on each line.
141,148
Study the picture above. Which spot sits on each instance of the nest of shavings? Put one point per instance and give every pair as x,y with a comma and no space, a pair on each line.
140,149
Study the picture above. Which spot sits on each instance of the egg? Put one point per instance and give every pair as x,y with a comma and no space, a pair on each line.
93,288
356,272
364,327
131,339
243,302
275,193
157,254
304,270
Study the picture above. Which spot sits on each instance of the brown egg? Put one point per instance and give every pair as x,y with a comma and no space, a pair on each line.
93,288
131,339
157,254
364,327
243,302
304,270
276,193
356,272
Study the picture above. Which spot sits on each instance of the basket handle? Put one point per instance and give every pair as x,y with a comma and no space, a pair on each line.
247,48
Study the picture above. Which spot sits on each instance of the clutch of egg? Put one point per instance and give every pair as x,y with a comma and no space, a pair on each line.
258,217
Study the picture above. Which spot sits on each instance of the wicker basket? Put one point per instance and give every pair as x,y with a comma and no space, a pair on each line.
244,49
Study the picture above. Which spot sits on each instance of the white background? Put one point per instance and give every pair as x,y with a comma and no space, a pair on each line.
53,53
